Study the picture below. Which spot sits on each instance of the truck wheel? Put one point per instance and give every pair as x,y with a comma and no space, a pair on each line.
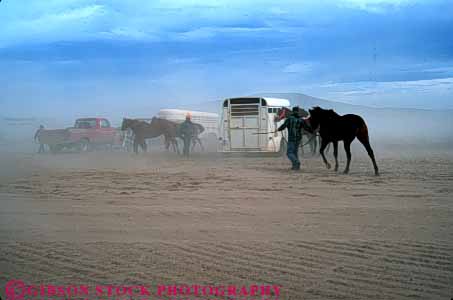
84,145
55,148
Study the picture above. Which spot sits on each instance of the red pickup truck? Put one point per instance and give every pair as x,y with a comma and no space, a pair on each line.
86,134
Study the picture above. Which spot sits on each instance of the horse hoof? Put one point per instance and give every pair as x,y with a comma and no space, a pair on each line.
345,171
328,166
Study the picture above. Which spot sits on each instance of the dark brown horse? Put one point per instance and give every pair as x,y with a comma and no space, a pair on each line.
142,131
334,128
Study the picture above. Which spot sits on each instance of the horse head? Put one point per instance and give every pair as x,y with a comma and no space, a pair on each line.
320,115
282,114
127,123
316,116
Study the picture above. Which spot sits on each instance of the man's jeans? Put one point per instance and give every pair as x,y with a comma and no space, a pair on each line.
292,153
186,149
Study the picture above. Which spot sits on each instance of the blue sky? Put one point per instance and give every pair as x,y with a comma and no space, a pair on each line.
104,56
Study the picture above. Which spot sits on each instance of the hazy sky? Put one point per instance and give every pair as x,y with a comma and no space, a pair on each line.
132,56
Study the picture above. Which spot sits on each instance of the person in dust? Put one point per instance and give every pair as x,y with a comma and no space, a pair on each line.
294,126
186,132
37,139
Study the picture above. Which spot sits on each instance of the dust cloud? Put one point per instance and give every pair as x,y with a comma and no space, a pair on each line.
112,216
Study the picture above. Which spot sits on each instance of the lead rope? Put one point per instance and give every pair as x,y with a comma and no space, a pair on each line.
312,137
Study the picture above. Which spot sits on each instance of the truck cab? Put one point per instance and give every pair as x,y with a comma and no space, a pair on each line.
93,131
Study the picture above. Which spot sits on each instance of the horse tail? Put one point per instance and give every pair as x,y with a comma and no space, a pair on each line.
362,135
200,129
362,132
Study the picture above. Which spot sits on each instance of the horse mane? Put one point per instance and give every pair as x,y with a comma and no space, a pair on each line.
135,124
162,120
329,113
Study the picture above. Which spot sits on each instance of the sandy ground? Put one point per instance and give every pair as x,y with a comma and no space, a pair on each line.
116,218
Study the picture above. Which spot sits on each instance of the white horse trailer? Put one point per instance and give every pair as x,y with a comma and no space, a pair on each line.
249,125
210,121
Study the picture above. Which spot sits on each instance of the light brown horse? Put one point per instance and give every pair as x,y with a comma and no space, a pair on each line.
170,131
142,131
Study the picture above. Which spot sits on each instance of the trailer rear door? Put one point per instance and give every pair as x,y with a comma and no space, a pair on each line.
244,123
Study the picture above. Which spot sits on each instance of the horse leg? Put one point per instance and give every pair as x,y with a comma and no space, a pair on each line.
335,154
312,145
315,144
320,141
135,146
175,145
144,146
195,141
321,151
366,143
167,144
302,145
347,149
328,148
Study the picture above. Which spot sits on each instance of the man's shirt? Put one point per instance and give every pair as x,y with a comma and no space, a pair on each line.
186,129
294,126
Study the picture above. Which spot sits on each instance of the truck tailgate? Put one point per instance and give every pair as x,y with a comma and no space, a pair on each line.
54,137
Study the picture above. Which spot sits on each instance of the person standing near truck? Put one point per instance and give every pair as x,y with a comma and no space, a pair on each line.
37,139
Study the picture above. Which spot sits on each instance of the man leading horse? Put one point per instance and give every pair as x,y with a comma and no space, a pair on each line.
294,125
